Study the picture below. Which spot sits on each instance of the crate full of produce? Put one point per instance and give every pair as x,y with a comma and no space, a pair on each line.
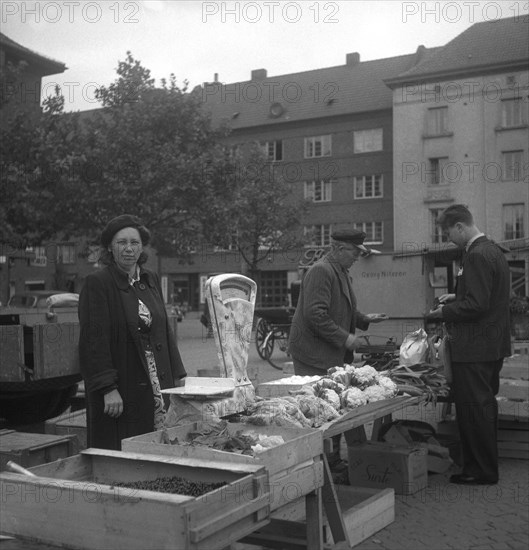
130,501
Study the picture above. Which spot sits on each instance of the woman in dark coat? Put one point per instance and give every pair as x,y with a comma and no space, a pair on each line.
126,346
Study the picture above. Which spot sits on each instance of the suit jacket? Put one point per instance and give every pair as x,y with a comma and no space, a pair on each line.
111,355
478,321
325,315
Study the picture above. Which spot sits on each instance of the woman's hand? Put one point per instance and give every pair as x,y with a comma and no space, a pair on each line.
113,404
445,298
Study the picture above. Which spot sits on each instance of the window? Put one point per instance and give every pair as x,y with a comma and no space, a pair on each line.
319,146
368,187
512,112
437,121
273,289
318,191
318,235
512,162
513,218
66,253
437,234
273,150
373,230
366,141
437,171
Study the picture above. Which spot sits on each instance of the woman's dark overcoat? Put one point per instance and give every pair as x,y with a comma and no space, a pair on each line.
111,355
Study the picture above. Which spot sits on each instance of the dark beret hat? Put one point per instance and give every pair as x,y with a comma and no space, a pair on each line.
117,224
351,236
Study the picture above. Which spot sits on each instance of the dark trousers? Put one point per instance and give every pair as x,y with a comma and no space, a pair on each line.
302,369
475,387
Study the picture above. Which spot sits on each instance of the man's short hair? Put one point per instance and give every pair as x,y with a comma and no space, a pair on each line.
457,213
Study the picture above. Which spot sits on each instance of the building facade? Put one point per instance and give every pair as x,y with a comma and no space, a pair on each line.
460,121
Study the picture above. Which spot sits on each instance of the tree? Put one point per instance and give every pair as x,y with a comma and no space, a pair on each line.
258,213
149,151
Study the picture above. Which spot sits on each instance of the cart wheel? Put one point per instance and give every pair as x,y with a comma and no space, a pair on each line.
264,339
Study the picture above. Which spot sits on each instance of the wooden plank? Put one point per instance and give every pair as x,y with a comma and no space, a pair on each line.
314,513
367,413
55,348
12,353
301,444
332,507
49,511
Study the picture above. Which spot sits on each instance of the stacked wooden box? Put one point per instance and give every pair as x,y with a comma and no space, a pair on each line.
31,449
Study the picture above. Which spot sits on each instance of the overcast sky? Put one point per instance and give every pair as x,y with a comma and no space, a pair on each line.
194,40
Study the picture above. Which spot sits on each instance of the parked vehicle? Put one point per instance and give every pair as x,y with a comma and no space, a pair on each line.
39,365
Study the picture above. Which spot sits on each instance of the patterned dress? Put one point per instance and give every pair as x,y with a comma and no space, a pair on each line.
144,327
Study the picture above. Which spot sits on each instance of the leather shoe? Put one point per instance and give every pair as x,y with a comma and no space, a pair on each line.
463,479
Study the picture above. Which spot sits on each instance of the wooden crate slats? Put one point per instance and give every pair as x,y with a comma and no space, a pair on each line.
29,449
55,348
126,518
300,445
49,510
12,353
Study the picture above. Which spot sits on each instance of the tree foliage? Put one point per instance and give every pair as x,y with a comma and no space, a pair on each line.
149,151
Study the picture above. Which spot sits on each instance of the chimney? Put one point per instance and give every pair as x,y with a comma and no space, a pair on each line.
216,77
258,74
352,59
419,55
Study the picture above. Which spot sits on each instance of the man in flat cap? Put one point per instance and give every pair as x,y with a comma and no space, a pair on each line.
326,318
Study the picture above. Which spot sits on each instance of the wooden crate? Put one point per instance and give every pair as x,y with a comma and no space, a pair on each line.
294,467
30,449
69,423
279,389
365,511
513,439
74,502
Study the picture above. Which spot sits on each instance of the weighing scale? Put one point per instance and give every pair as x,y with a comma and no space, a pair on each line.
231,303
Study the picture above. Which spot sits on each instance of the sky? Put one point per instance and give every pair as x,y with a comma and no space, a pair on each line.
196,40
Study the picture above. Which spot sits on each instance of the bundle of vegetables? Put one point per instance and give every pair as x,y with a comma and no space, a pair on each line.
420,379
216,435
350,386
278,411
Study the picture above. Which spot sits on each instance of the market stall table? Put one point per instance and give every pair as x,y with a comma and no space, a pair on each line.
281,533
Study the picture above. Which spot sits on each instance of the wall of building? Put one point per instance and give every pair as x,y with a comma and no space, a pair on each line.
473,144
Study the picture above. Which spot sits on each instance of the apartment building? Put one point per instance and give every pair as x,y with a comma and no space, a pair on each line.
461,135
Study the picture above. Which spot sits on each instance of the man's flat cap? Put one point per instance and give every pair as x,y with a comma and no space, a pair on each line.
351,236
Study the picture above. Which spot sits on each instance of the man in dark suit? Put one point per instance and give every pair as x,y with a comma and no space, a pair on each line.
326,318
478,323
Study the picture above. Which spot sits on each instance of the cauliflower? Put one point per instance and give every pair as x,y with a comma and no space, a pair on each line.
362,377
340,376
328,383
331,397
374,393
352,398
390,388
